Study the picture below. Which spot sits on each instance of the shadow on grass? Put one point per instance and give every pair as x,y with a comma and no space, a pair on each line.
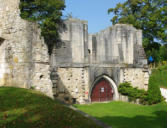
159,120
22,108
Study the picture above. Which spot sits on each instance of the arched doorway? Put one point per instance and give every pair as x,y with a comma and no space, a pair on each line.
103,89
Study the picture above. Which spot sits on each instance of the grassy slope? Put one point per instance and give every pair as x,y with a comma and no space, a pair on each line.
21,108
126,115
161,74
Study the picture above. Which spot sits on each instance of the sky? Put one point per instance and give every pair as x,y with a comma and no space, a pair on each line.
94,11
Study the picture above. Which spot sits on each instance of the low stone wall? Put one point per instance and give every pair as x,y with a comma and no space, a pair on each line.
123,98
164,93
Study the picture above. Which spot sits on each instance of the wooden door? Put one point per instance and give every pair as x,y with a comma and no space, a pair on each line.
102,91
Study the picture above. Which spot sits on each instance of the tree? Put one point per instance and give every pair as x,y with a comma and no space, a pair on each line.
163,52
48,15
148,15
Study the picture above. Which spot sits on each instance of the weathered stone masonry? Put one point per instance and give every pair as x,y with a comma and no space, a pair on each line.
24,60
73,70
115,53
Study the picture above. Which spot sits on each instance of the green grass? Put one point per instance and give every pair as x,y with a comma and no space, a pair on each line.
161,76
127,115
22,108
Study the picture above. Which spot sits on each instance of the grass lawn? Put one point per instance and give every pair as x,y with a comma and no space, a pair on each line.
22,108
126,115
161,74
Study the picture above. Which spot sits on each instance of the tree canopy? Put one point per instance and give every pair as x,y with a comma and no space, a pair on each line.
48,15
148,15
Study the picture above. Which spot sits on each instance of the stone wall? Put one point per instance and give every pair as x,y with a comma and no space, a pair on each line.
72,83
114,45
138,77
15,52
112,72
74,49
115,52
24,60
40,64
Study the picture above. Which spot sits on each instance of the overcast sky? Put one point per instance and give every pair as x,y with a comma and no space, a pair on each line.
94,11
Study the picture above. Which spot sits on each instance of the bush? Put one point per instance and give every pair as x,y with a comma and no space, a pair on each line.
152,96
133,93
154,93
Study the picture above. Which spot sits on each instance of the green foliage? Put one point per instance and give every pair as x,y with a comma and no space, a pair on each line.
133,93
158,52
157,79
48,15
153,96
148,15
23,108
154,93
163,53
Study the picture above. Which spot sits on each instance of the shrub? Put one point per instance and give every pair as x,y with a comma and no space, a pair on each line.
154,93
133,93
152,96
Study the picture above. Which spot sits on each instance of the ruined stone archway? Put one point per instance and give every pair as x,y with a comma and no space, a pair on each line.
111,83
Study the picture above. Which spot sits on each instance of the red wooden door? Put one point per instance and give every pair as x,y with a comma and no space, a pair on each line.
102,91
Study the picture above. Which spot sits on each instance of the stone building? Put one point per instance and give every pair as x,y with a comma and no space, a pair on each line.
85,68
89,67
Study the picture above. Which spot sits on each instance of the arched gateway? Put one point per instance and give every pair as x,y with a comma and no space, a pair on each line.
103,89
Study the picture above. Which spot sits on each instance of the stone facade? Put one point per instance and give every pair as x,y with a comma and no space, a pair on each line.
136,76
115,53
71,72
24,60
72,84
